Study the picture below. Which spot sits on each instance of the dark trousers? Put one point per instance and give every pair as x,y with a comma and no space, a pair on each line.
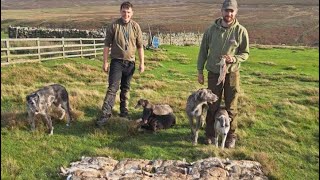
231,88
120,73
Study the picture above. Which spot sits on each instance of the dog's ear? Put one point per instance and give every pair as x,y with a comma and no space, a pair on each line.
28,98
228,121
215,98
139,103
147,104
32,97
199,95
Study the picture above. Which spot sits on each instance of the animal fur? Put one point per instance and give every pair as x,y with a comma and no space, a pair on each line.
158,109
221,126
197,106
40,101
223,71
156,116
158,122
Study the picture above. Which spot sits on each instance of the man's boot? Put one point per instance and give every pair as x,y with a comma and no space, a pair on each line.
103,120
124,114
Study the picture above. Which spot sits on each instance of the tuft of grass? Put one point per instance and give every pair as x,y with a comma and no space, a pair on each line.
268,63
154,85
11,168
13,119
290,68
269,166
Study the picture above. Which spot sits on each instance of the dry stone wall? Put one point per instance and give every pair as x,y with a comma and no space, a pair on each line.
32,32
210,168
181,39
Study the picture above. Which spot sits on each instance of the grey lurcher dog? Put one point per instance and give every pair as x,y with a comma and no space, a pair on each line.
221,126
40,101
197,106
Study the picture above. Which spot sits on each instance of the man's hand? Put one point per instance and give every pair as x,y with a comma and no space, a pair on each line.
200,78
229,59
105,59
141,67
105,66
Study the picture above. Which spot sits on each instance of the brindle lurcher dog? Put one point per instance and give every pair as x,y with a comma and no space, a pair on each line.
197,106
40,101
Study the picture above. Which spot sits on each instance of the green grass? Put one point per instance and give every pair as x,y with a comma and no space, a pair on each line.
278,121
4,35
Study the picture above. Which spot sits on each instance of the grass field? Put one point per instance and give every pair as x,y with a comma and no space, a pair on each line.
4,35
278,121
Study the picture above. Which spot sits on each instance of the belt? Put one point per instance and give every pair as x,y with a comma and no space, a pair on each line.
124,61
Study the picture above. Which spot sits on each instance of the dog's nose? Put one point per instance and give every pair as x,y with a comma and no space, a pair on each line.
225,134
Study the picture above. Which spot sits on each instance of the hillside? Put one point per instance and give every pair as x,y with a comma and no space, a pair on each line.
268,22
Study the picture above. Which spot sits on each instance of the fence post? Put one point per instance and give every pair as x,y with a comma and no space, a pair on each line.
95,50
63,50
81,48
8,50
38,44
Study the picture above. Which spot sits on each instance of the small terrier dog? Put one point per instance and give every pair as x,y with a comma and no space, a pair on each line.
221,126
40,101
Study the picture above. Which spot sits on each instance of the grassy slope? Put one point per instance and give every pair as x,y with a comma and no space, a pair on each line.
278,123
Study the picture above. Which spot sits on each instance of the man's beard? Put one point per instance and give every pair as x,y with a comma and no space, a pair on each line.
228,19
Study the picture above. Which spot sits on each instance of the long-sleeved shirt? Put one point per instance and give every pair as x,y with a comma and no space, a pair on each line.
124,39
218,41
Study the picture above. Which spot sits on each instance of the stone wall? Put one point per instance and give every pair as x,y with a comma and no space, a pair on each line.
210,168
32,32
180,38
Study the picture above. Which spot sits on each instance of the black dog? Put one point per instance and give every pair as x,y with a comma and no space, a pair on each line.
158,122
156,117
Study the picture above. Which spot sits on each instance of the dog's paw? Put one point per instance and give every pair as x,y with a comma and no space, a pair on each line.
68,124
194,143
208,141
51,132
